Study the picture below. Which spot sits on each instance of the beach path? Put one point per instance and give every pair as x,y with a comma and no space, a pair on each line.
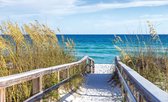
96,87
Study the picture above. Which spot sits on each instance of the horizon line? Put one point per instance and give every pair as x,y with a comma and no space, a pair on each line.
108,34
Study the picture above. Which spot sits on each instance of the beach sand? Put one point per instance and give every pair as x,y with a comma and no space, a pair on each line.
96,87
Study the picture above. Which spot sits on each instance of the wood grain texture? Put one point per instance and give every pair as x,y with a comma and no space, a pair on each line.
36,77
145,89
33,74
2,95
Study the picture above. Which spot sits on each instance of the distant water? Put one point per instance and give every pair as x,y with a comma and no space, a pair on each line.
101,48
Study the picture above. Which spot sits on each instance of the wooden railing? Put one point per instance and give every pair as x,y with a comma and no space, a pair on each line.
136,88
37,75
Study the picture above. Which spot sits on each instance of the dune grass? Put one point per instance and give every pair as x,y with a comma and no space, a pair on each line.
148,57
28,47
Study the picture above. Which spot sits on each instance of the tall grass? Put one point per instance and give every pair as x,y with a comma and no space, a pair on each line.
146,56
28,47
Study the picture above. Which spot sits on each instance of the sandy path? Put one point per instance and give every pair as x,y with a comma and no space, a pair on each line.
96,87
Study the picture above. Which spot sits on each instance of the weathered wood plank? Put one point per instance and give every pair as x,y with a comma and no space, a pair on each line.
26,76
143,87
37,86
92,66
36,77
39,95
126,89
2,95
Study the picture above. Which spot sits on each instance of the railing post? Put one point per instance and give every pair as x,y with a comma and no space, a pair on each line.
135,92
68,72
37,86
117,59
132,87
137,95
124,94
2,95
58,76
68,76
140,98
58,80
89,66
92,66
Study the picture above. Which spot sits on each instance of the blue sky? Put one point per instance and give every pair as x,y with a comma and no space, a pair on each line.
89,16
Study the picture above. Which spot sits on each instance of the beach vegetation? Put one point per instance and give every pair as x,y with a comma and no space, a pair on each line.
148,56
32,46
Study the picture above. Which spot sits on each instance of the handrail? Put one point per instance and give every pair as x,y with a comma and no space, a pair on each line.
139,87
126,87
36,76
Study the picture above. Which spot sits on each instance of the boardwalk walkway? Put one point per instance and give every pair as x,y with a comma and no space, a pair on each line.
96,87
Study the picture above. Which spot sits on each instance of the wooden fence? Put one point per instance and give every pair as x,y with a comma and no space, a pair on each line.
136,88
37,75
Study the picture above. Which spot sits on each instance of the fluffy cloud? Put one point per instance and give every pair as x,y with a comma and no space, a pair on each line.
55,10
64,7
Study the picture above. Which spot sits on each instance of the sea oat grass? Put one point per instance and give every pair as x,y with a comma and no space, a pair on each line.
145,58
29,47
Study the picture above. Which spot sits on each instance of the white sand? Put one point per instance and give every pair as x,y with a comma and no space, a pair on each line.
96,87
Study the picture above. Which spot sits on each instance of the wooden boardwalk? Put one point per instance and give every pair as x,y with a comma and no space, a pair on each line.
96,87
135,88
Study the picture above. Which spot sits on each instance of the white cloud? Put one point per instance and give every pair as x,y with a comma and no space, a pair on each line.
64,7
58,8
4,3
103,6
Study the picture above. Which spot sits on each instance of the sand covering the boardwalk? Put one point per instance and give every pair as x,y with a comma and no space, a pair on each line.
96,87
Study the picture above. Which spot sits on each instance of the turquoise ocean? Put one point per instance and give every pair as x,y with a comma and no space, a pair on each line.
101,47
